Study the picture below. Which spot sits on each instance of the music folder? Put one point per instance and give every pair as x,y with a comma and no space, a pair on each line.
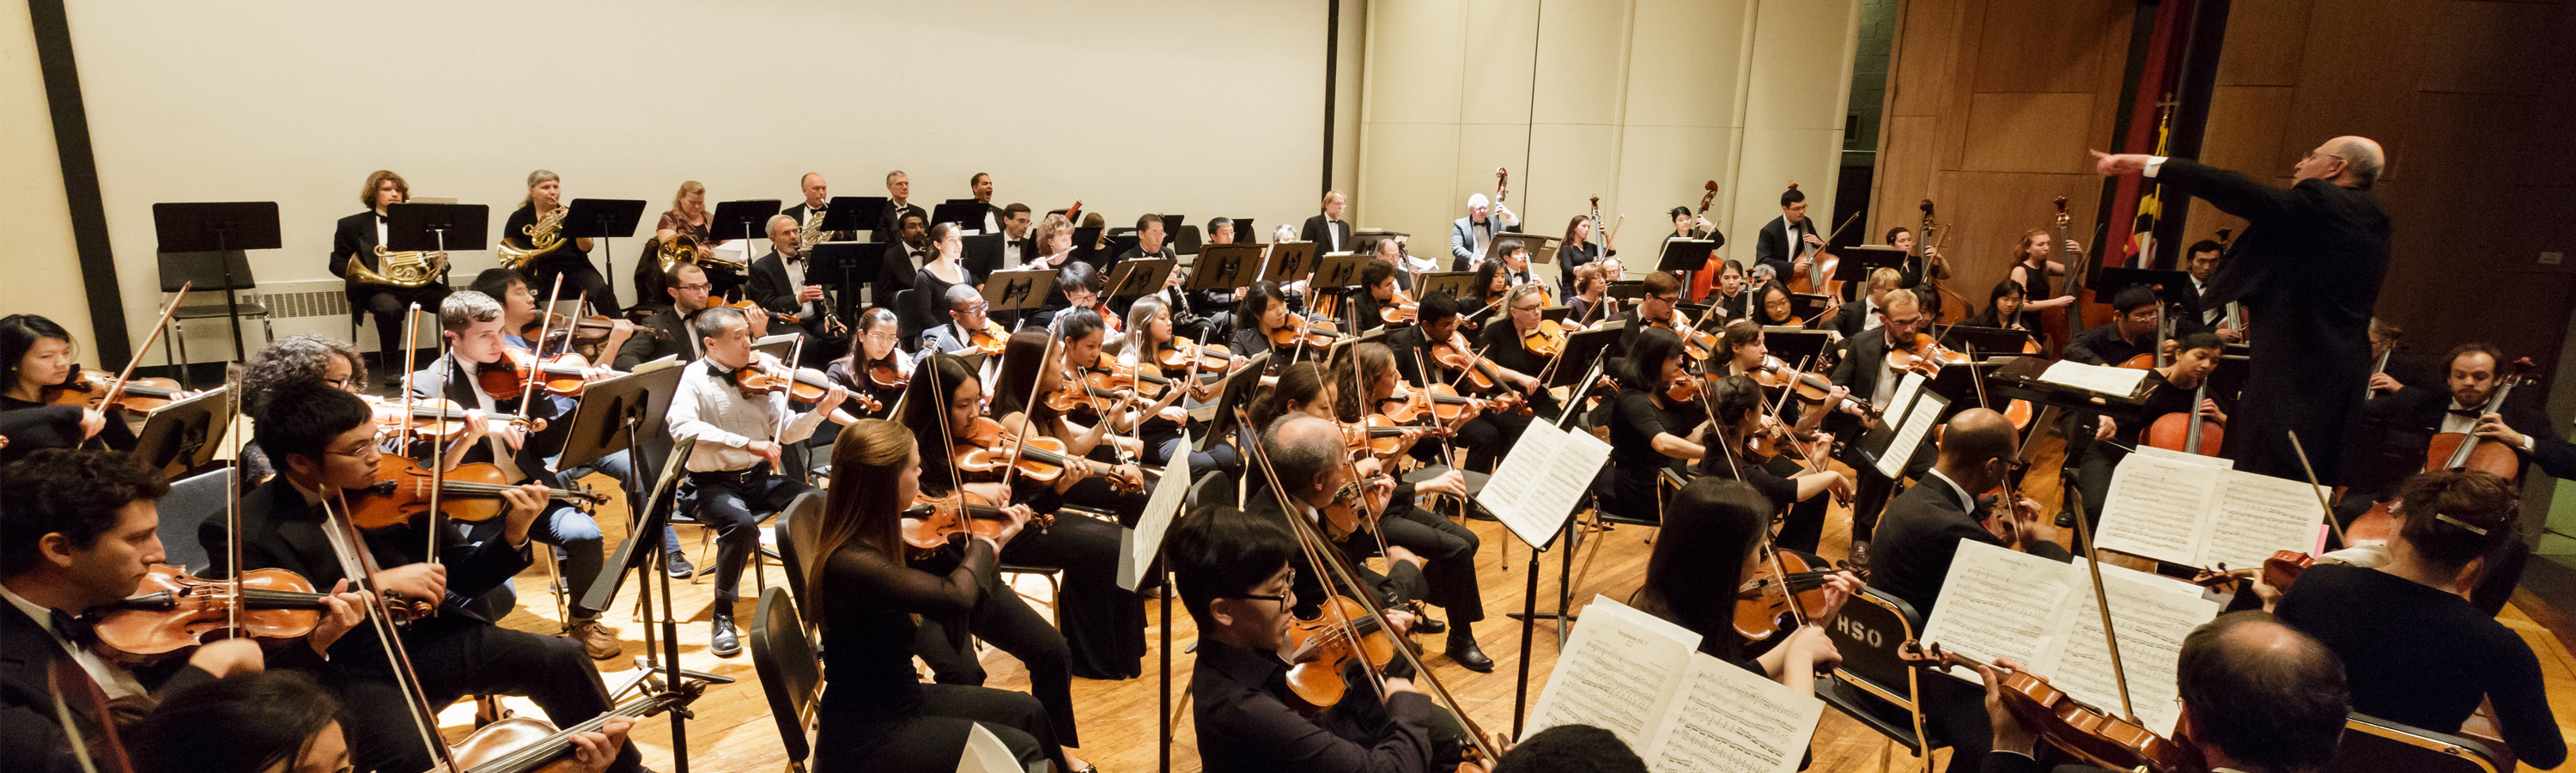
1224,266
1016,290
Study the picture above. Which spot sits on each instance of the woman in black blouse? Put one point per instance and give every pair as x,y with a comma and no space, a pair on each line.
1771,306
2416,651
1643,441
1105,623
1742,350
1263,310
1484,299
873,344
938,273
36,353
2004,306
876,714
569,259
1710,543
1578,250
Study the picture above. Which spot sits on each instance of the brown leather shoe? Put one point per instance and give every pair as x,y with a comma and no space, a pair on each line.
596,640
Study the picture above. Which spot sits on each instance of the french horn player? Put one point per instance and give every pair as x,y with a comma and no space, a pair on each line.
532,241
383,284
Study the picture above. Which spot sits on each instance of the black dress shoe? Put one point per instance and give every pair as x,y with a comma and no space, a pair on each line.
1463,650
2065,519
1859,560
725,643
1427,626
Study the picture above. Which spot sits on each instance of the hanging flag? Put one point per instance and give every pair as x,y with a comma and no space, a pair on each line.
2142,232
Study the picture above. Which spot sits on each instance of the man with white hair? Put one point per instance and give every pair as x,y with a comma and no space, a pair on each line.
1470,236
779,284
2309,267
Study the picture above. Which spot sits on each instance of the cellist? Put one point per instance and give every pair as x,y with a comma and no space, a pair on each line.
2193,358
2473,374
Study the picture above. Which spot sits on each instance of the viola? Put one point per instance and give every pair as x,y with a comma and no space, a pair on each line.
471,492
525,744
774,316
1399,310
1315,333
985,449
2088,733
932,520
1440,401
91,387
1452,355
1765,597
564,375
803,385
175,612
1546,340
1180,354
1318,647
441,419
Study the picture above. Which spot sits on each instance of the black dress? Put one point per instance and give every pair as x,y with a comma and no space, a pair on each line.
875,712
567,260
2425,657
31,433
1627,484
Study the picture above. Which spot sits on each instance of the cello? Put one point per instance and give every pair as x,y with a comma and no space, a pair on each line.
2457,451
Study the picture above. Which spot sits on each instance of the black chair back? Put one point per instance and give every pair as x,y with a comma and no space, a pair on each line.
1875,684
797,528
2374,745
907,318
788,671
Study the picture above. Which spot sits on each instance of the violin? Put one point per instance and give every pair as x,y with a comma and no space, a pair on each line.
932,520
1318,647
1684,388
564,375
884,374
1546,340
2084,731
1440,401
91,387
1765,597
2280,571
1182,354
988,339
1453,356
471,492
1399,310
803,385
1317,333
592,330
747,304
525,744
1811,387
986,449
176,612
1380,435
1925,355
442,419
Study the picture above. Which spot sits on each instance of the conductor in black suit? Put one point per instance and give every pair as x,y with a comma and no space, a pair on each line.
2257,695
1328,231
2310,265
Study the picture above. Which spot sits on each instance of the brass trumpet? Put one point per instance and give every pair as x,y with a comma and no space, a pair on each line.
544,236
401,269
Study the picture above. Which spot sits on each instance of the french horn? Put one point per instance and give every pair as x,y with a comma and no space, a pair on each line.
686,249
401,269
544,236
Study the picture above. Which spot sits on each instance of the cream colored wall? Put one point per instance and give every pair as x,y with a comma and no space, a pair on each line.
40,267
1130,106
1637,101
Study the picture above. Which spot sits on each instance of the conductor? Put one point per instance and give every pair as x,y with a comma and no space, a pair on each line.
2309,268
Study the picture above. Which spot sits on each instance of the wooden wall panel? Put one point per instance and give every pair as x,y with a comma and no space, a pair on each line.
2488,48
2026,132
2042,45
2264,41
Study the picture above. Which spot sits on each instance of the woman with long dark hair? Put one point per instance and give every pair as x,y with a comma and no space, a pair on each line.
36,353
875,344
1710,544
1740,408
1644,441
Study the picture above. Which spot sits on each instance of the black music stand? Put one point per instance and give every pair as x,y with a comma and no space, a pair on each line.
847,260
1185,241
1799,348
852,214
440,227
1018,290
220,227
1624,290
184,432
749,216
1289,262
1083,250
1365,242
983,256
1582,348
604,219
1985,342
967,213
1224,267
1143,276
1542,249
1340,269
1450,283
1683,257
1859,261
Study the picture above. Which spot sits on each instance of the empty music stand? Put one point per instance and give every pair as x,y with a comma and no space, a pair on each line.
1683,257
220,227
1018,290
228,270
1987,343
1365,242
853,214
967,214
604,219
1289,262
1858,262
1450,283
749,216
184,432
1224,266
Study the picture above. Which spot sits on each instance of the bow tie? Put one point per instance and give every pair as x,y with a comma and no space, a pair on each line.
75,630
2467,412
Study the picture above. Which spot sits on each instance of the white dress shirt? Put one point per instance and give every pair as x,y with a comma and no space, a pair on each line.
710,411
112,679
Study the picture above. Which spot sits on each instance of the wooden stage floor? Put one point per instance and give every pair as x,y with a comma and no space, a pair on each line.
733,730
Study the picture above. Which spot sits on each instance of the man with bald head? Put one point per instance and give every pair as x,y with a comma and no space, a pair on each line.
818,195
2309,268
2257,696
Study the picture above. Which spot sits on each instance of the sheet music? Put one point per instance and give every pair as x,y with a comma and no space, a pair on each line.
1998,602
2220,462
2116,382
2155,507
1909,435
2151,621
1730,720
2257,515
1160,508
1615,673
1536,485
1901,402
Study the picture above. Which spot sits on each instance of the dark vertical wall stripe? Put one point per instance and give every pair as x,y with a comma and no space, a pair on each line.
80,180
1332,82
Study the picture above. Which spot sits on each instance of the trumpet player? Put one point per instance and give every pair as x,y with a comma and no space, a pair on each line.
532,242
384,284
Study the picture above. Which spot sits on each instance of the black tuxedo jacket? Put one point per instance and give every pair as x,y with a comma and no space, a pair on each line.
643,347
2424,410
1776,244
770,288
282,532
1910,553
890,221
356,236
1314,232
1852,319
31,735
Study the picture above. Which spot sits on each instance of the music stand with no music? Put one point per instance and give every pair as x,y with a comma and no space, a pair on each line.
1289,262
185,432
1450,283
219,227
1144,276
1008,291
604,219
1224,267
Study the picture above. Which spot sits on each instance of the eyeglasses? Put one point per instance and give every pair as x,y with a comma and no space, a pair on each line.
360,452
1285,598
341,384
695,288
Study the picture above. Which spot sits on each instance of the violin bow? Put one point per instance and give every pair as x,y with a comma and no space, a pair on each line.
117,389
447,367
1432,414
2101,598
2312,483
537,346
1345,352
349,547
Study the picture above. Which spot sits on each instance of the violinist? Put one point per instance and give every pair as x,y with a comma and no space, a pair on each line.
1034,368
1578,250
472,324
2128,335
323,441
875,351
779,283
1366,376
1103,628
1865,371
1391,250
1077,288
1262,312
1303,394
1772,306
35,353
291,359
1922,531
735,465
357,237
2258,696
76,535
1484,302
1149,337
2194,356
875,711
1485,436
2416,650
1745,353
970,327
1508,345
1378,292
1856,317
569,259
1659,308
1236,578
285,722
1711,541
1645,444
1588,305
2037,273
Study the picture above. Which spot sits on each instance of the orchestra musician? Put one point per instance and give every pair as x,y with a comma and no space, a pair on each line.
1689,225
817,200
1149,241
2257,695
898,206
1865,371
1150,334
358,236
1377,292
1578,250
1588,305
874,345
2201,263
1263,311
941,271
735,464
1729,298
688,291
2310,265
1659,307
903,258
1506,345
2418,652
980,187
2474,375
519,319
569,259
1912,548
1302,391
2127,335
967,314
77,533
779,283
1077,288
1788,244
1017,249
1052,246
1772,305
1853,318
875,712
1327,229
293,358
2037,274
2194,357
1742,412
36,353
1113,643
324,441
686,222
1470,236
1490,433
1646,444
1711,540
1366,376
1484,299
2003,311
